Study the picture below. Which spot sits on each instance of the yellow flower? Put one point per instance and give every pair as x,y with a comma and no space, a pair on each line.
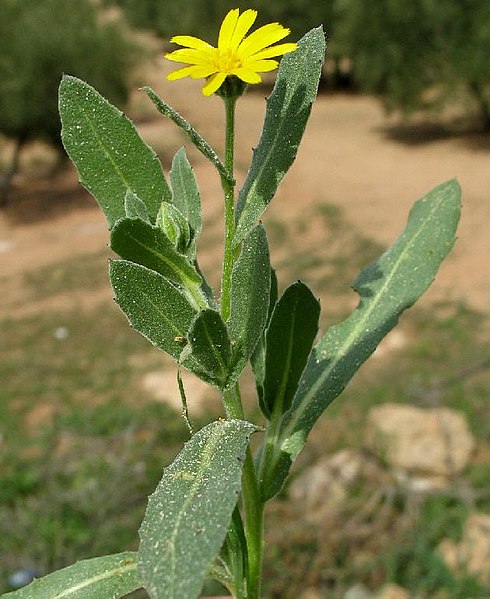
243,57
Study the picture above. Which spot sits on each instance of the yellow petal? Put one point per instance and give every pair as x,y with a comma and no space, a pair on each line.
201,72
247,75
227,28
245,21
260,66
190,41
213,83
262,38
180,73
190,56
278,50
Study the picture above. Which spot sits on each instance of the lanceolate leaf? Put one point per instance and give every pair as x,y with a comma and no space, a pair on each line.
387,287
154,307
210,345
289,339
250,296
188,515
110,157
288,109
185,192
140,242
200,143
107,577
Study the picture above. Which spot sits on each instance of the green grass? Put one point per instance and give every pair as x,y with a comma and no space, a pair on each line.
82,443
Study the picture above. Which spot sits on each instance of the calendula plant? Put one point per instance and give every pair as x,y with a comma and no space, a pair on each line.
205,518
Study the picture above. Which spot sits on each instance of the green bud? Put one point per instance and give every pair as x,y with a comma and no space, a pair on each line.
175,226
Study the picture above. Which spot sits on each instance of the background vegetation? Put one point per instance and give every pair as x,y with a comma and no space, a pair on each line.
39,41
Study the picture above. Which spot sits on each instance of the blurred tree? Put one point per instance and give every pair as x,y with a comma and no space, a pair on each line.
203,17
39,41
420,54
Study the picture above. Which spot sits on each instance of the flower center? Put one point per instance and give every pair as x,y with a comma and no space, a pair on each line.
227,61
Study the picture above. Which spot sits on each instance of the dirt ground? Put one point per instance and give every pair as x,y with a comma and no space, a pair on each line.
352,155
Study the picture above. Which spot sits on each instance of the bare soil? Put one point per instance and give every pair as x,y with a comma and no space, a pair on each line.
352,156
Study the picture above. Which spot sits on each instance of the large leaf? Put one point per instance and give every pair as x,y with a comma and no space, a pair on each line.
288,109
107,577
110,156
185,192
289,339
210,345
154,307
140,242
250,296
187,517
387,287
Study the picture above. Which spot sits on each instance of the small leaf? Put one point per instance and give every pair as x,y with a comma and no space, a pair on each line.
135,208
153,306
210,345
199,141
289,337
107,577
185,191
387,287
140,242
110,156
288,109
187,517
258,356
250,296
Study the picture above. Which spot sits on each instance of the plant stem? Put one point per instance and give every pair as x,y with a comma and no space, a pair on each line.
254,524
253,507
228,188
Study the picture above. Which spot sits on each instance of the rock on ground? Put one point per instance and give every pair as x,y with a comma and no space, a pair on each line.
433,441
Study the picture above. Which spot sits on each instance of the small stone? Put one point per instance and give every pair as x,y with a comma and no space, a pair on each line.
162,385
312,593
392,591
472,554
358,591
322,489
424,441
21,578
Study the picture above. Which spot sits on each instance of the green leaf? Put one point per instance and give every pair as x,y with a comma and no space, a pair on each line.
199,141
107,577
250,296
386,287
210,345
153,306
135,208
187,517
140,242
288,109
289,338
110,157
185,191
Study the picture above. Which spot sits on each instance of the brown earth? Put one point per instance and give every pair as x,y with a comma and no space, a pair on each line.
351,156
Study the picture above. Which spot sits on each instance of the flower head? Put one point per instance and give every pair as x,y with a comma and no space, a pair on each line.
237,54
